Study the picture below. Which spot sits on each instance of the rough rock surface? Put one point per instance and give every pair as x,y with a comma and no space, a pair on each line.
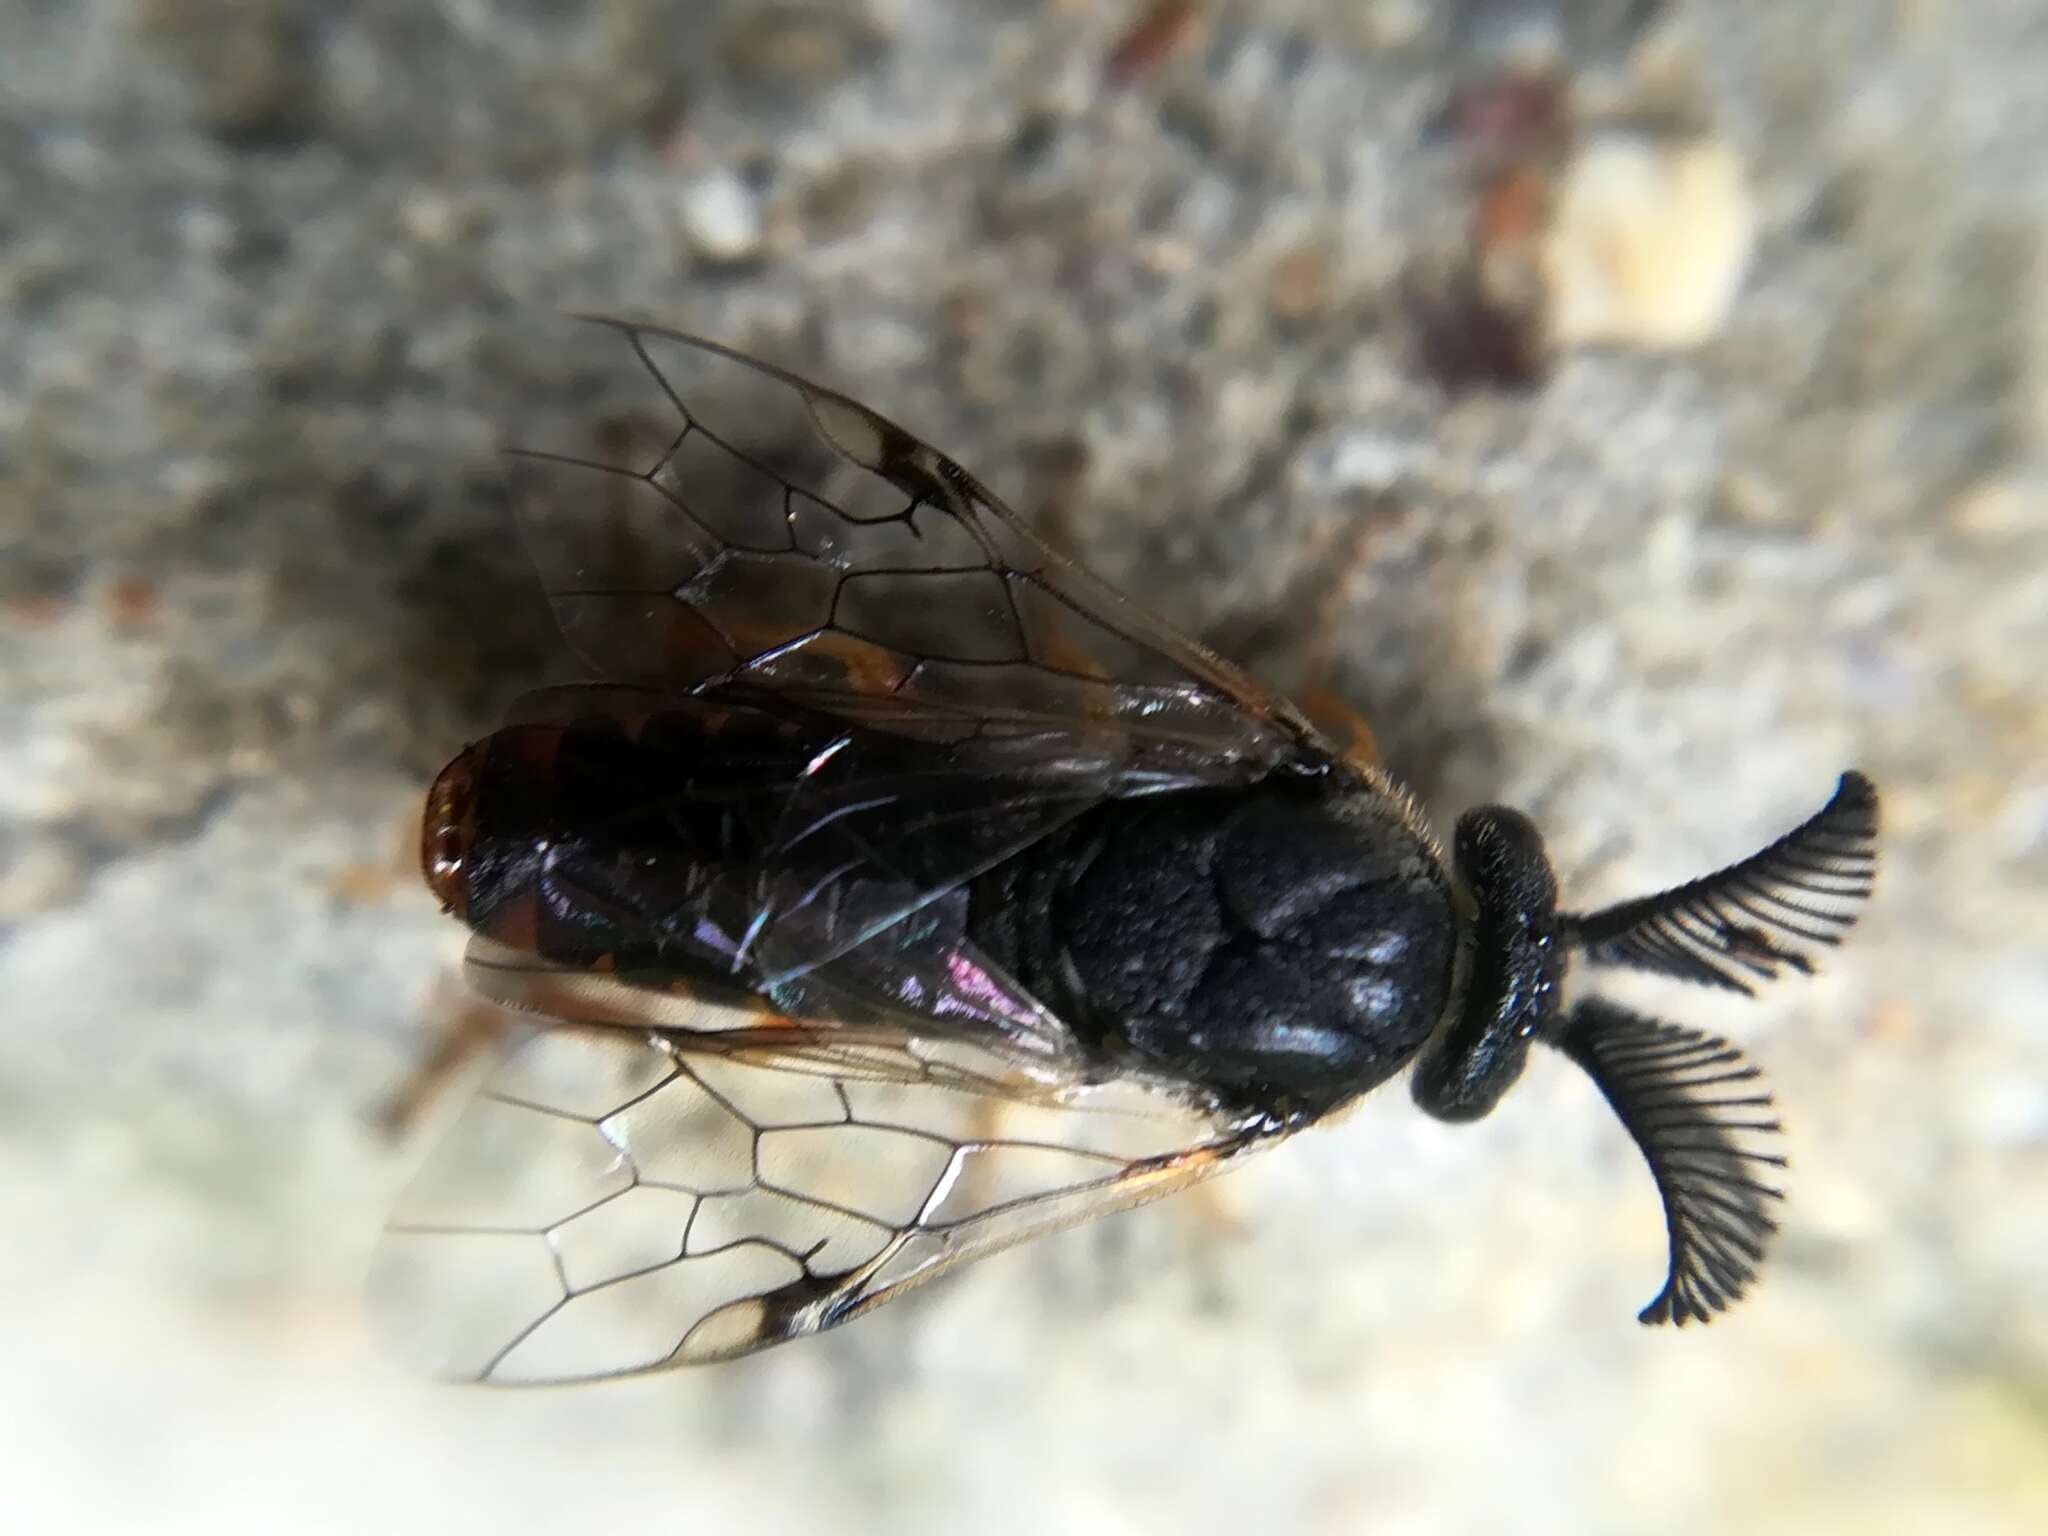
255,583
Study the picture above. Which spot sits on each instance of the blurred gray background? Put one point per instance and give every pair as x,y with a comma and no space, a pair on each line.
1154,280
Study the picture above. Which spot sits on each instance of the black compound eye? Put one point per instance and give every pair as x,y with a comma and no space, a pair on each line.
1463,1076
1515,973
1501,855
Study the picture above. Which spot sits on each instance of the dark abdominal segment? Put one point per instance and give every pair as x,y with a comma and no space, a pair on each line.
587,844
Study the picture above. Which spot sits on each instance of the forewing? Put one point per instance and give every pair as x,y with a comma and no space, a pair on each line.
704,520
613,1201
1744,924
711,526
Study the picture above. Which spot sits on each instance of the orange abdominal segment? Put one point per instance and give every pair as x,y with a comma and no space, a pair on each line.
447,829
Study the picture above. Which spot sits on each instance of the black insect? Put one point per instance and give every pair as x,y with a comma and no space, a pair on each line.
902,892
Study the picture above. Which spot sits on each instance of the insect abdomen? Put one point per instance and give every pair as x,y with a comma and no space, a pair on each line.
588,845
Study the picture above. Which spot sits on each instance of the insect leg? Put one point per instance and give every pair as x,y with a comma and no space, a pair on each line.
463,1028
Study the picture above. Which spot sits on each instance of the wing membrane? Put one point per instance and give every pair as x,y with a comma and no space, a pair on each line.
727,524
613,1201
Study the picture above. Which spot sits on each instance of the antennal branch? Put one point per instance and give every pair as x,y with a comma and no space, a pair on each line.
1753,920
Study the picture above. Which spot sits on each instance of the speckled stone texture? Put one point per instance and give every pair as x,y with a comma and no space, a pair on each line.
256,258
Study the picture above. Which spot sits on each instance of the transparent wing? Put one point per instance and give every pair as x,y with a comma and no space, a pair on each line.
714,527
613,1201
704,520
1747,922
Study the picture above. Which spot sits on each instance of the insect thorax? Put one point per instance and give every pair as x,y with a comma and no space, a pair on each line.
1287,948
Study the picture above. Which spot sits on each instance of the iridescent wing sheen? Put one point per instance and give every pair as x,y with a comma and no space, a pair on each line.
702,520
617,1200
